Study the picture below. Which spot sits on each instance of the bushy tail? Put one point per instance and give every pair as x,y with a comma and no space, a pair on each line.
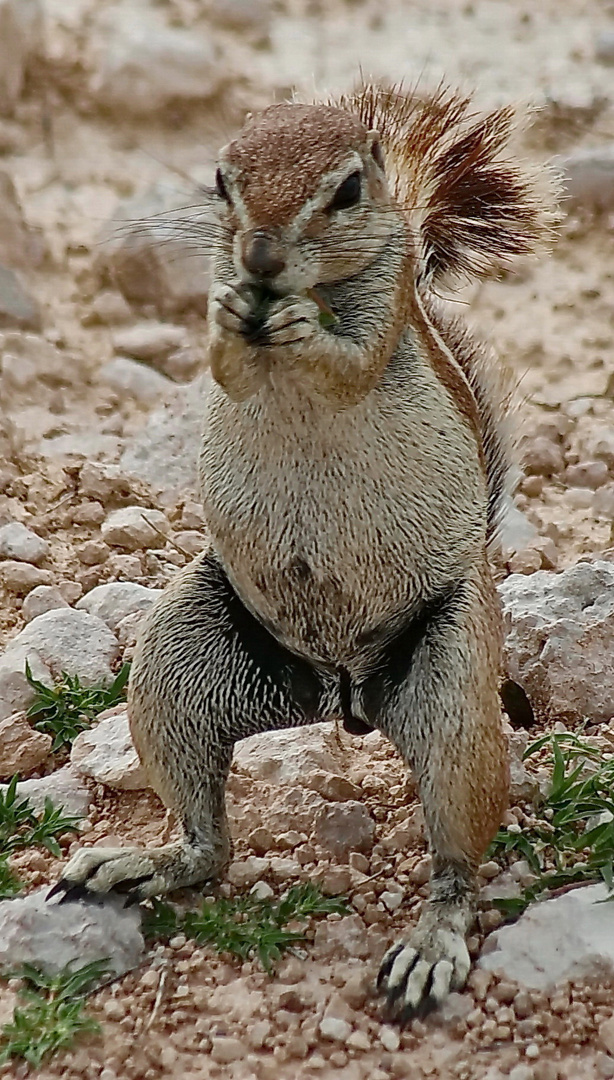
472,204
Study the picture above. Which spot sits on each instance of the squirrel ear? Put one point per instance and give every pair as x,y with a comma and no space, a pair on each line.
377,152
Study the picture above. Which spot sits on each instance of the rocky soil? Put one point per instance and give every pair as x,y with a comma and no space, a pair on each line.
111,112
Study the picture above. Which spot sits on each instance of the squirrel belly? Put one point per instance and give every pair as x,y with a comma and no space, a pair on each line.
333,526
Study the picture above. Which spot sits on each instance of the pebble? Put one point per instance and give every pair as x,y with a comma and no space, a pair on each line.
138,380
589,179
549,618
288,756
543,457
22,748
164,453
149,341
604,47
606,1034
335,1029
41,599
19,542
52,935
133,527
226,1050
421,871
390,1040
103,482
20,578
106,753
147,65
525,562
56,641
63,787
242,874
392,900
340,828
587,474
117,600
93,552
17,307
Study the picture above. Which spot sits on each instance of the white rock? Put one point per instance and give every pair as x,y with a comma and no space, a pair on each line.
133,527
30,359
589,179
117,600
335,1029
290,755
19,542
343,827
165,452
390,1039
262,891
21,747
149,341
138,380
248,871
43,598
51,935
18,308
345,938
569,937
392,900
21,577
21,34
560,638
59,640
106,753
102,481
63,787
172,277
147,65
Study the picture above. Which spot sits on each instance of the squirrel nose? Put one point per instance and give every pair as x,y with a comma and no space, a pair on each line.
262,256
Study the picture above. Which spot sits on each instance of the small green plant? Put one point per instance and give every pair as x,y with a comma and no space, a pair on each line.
245,926
10,884
571,839
21,826
52,1014
68,707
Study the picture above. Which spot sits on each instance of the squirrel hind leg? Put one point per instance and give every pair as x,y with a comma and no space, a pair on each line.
436,698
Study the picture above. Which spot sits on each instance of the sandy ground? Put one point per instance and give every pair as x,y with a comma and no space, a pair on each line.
72,163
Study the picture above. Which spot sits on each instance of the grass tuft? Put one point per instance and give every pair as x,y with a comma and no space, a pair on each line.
245,926
21,826
52,1014
571,837
10,884
68,707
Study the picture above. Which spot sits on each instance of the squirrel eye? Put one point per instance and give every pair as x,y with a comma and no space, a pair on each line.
347,194
221,188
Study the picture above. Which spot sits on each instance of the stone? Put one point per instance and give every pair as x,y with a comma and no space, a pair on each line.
602,502
246,873
226,1049
21,747
19,248
150,259
19,542
42,598
20,577
128,376
552,617
335,1029
117,600
392,900
28,360
51,935
526,561
334,788
92,552
21,36
134,527
64,787
588,177
390,1039
340,828
164,453
569,937
606,1034
106,753
543,457
151,342
59,640
146,65
288,756
17,307
604,47
587,474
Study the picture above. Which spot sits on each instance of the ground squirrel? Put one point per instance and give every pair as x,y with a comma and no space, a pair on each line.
353,470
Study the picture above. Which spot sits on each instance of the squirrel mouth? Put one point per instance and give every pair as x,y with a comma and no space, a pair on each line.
262,297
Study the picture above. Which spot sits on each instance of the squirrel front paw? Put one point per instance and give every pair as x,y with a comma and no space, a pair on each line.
291,320
260,317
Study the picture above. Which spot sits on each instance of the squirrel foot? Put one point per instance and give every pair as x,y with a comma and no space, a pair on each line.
136,872
418,972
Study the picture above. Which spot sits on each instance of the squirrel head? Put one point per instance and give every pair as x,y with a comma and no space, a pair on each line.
304,194
313,193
